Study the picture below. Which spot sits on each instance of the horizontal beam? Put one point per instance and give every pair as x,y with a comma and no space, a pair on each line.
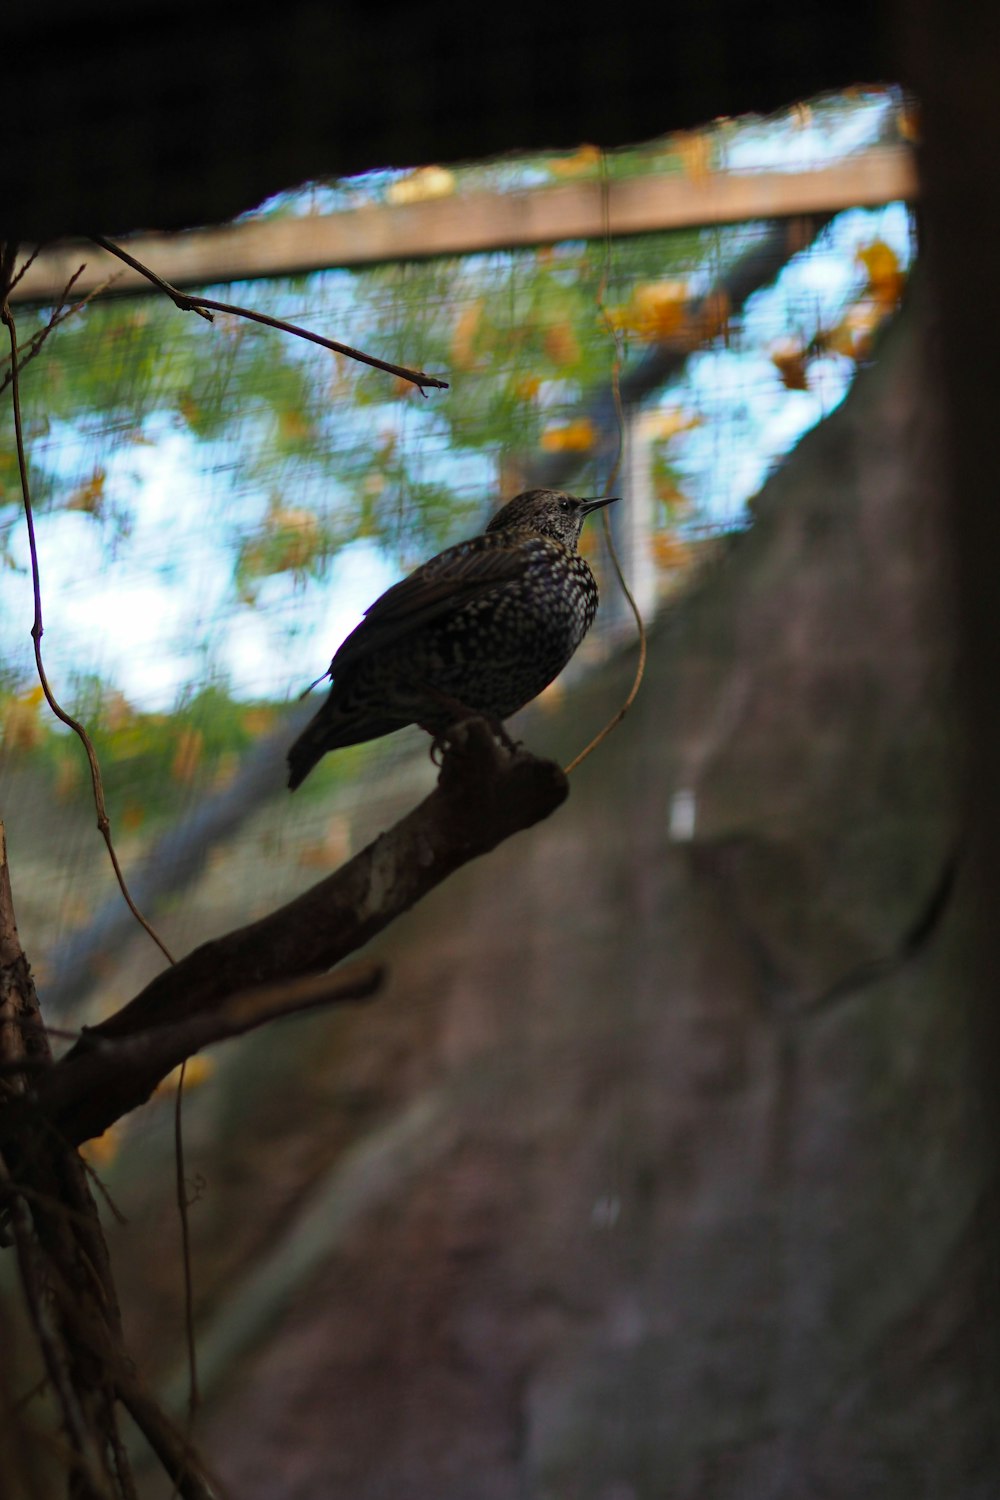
463,224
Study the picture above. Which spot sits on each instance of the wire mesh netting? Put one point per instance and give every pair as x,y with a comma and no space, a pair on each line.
217,505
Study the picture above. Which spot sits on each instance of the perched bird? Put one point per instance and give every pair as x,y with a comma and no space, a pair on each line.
480,629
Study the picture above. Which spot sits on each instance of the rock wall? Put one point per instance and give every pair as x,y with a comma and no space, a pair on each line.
657,1173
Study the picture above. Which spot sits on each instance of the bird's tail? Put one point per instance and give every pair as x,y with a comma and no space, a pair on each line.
309,748
332,729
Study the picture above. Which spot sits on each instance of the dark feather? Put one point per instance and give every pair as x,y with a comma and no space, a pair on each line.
447,582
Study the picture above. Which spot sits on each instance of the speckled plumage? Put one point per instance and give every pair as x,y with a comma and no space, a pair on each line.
480,629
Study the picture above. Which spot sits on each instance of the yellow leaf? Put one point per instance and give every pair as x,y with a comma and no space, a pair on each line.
669,552
294,536
90,496
570,437
20,720
258,720
526,387
886,278
102,1151
559,343
189,409
198,1071
332,849
669,422
695,152
293,427
551,697
789,359
713,316
908,122
853,334
67,777
133,816
117,711
668,493
463,352
656,310
187,756
421,185
586,159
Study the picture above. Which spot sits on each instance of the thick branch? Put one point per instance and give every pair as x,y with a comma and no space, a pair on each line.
116,1074
483,796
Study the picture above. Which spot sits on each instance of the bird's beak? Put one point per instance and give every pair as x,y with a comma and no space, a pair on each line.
591,505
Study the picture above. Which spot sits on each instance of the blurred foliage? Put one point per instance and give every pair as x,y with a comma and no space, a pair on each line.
326,452
520,336
336,451
157,755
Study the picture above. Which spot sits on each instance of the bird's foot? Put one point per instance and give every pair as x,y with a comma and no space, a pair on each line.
440,745
454,739
500,734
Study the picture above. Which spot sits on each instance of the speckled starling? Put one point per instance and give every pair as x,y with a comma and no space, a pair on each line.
480,629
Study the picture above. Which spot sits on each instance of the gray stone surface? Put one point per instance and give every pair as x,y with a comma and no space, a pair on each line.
655,1175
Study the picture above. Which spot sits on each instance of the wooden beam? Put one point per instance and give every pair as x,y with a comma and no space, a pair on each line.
463,224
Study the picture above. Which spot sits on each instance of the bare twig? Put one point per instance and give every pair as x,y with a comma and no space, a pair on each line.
205,306
38,338
182,1214
38,629
34,345
616,389
170,1446
102,1188
182,300
26,266
50,1343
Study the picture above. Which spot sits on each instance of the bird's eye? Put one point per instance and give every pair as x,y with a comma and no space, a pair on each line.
565,505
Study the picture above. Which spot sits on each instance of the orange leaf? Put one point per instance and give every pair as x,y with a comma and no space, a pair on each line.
67,777
133,816
559,343
657,309
886,278
695,152
790,362
187,756
463,352
293,427
668,550
101,1151
421,185
586,159
571,437
526,387
90,496
198,1071
20,721
669,422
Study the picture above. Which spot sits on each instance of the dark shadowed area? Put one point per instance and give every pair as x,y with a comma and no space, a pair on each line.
665,1164
658,1169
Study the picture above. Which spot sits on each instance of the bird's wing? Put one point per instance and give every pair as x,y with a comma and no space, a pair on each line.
453,578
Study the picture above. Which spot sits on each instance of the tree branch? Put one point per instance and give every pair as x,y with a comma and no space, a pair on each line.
484,795
206,306
123,1071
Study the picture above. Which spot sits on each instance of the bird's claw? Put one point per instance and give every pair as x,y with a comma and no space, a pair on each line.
453,739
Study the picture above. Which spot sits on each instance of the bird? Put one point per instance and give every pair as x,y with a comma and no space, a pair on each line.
478,630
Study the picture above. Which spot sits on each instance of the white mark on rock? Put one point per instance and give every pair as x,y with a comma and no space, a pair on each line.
683,815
